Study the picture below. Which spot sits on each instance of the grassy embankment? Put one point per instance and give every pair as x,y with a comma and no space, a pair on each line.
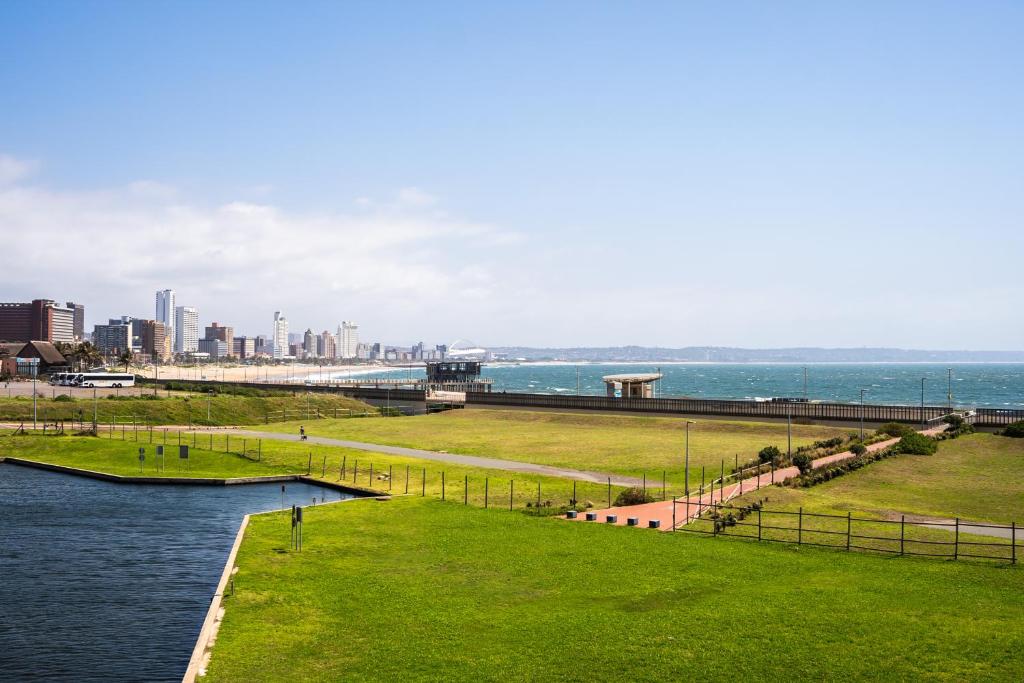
218,456
175,409
422,590
615,444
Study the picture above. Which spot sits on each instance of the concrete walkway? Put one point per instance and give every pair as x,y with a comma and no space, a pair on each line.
454,458
684,511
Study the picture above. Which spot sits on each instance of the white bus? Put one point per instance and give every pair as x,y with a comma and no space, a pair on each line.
103,379
61,378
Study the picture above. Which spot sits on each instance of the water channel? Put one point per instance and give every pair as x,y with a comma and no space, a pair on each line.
102,581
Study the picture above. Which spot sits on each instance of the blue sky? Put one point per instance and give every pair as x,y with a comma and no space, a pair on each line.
747,174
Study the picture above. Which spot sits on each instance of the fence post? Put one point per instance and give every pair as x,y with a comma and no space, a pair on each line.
355,471
407,479
309,463
645,485
538,498
663,485
424,482
800,526
673,513
323,469
609,491
371,473
341,470
903,519
759,524
465,490
390,469
1013,542
227,444
511,492
574,492
849,521
259,454
442,484
773,470
487,486
956,540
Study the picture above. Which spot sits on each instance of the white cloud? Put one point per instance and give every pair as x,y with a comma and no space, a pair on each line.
12,170
241,260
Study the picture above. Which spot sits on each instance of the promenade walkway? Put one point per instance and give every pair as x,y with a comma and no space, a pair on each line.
687,510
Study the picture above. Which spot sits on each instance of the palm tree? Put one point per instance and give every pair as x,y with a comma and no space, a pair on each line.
89,355
126,358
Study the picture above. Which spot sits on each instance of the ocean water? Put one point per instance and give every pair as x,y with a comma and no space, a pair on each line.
971,384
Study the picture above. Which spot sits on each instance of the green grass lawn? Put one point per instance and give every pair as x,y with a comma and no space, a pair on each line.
114,456
607,443
174,409
421,590
978,477
218,456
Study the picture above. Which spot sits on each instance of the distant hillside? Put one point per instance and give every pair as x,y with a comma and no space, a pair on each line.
722,354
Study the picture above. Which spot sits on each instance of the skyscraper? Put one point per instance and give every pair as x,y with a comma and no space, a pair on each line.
348,339
280,335
79,317
165,312
186,329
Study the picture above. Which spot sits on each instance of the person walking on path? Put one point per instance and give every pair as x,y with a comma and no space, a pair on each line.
302,432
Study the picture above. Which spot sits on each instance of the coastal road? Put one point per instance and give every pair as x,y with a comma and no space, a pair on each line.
454,458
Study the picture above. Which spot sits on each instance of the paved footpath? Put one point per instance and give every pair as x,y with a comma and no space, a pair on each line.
686,511
454,458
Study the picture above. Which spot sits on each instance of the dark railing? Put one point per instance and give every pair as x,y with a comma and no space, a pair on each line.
692,406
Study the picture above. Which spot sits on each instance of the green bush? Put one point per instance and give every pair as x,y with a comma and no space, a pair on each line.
917,444
1015,430
64,398
956,422
633,496
803,462
769,454
896,429
858,449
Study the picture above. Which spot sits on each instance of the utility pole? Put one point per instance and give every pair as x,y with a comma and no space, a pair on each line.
949,390
805,382
862,413
922,401
35,372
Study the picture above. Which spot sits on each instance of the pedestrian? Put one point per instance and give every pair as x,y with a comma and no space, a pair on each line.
302,432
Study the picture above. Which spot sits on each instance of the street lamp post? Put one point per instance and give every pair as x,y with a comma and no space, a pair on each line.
686,470
35,372
789,435
862,391
949,390
805,382
922,400
95,412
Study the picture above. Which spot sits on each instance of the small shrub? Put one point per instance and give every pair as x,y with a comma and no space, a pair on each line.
633,496
769,454
956,422
63,398
917,444
1015,430
858,449
803,462
896,429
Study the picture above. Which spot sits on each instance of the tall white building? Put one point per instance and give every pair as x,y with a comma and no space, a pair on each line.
280,335
348,340
186,329
165,311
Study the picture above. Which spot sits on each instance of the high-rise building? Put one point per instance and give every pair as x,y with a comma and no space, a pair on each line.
280,335
348,340
217,348
309,343
186,329
40,320
154,340
223,333
327,345
112,339
244,347
165,311
79,313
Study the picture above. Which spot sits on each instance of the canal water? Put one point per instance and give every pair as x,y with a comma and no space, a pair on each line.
102,581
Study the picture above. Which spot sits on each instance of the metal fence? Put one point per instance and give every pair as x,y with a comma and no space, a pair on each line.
952,540
690,406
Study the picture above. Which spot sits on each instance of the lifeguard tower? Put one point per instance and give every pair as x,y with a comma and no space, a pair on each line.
639,385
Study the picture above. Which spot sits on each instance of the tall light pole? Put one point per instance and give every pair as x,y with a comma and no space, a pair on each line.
922,400
949,390
805,382
577,380
35,371
862,413
686,470
789,435
95,412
